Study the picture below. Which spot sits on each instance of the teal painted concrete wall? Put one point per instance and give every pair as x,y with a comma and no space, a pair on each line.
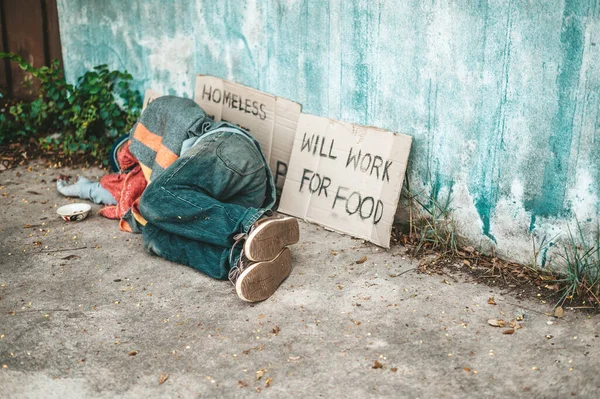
502,97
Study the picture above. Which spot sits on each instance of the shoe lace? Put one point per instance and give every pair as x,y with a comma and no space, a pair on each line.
234,273
237,269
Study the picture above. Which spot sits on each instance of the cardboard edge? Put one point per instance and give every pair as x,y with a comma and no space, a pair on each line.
397,198
311,221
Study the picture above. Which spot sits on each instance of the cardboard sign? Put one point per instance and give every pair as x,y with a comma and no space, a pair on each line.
346,177
150,96
271,120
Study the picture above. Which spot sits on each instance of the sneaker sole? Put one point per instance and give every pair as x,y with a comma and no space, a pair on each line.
269,238
260,280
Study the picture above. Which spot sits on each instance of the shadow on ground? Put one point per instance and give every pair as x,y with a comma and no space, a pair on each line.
84,311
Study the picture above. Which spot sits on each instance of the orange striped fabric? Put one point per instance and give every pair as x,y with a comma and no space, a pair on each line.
140,219
124,226
135,211
164,156
147,138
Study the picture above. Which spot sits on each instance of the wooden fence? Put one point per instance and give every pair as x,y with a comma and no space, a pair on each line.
30,29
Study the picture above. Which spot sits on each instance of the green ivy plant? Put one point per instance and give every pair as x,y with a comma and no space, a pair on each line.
86,116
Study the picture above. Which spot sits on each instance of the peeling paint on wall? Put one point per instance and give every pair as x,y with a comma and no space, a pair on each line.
502,97
170,59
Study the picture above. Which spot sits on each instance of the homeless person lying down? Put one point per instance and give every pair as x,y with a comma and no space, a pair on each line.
200,192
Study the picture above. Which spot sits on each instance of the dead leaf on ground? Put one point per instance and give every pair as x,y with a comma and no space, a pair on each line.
518,326
559,312
256,348
268,382
496,322
491,301
361,260
377,364
163,377
133,353
242,384
275,330
512,324
260,373
394,369
508,332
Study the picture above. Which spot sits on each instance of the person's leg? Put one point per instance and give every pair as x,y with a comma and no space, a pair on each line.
217,189
209,259
209,198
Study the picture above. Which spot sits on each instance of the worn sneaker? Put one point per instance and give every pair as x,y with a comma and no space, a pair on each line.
269,235
256,281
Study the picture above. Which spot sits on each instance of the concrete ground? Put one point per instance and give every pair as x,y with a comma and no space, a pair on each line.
85,312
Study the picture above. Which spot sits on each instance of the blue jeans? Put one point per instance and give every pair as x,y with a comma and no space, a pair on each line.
215,190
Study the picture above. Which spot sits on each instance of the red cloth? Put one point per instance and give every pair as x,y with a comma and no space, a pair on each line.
127,188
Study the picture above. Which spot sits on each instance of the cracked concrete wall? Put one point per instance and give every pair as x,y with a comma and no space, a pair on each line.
502,97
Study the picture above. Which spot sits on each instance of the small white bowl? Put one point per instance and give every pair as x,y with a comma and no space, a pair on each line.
74,212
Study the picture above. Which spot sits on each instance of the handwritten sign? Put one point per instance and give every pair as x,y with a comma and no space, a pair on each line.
271,120
346,177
